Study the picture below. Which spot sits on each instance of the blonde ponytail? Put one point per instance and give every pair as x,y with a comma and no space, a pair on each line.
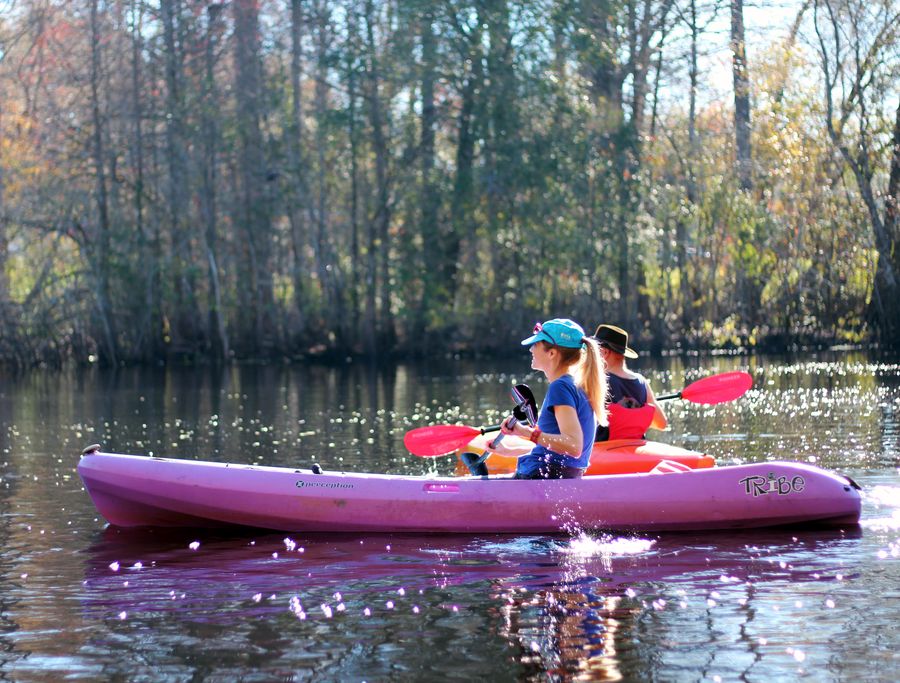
588,369
592,378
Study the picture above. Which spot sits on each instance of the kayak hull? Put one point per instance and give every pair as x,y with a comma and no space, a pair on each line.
139,491
620,456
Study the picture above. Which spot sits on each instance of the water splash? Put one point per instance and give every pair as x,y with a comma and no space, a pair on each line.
585,546
886,499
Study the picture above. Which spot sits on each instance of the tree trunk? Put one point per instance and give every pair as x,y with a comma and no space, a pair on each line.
357,313
326,258
884,310
693,75
434,289
149,345
382,214
657,78
504,144
297,191
254,201
462,201
642,29
744,162
682,229
184,333
4,242
102,243
218,335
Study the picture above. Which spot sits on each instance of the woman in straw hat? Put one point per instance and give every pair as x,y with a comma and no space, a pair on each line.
632,406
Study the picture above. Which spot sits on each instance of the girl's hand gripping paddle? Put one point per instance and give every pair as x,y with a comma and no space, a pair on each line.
525,410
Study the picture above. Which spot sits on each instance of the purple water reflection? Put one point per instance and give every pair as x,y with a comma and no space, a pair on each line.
548,603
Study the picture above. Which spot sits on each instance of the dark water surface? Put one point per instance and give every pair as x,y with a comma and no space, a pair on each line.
79,600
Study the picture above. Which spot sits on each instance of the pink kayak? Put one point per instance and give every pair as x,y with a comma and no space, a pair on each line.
131,490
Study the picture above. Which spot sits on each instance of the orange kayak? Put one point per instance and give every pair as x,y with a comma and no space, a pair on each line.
620,456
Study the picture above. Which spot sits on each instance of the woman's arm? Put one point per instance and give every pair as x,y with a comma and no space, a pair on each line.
570,440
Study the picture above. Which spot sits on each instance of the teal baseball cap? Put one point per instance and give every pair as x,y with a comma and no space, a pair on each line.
559,332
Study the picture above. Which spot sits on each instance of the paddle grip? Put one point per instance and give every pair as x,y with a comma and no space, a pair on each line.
497,439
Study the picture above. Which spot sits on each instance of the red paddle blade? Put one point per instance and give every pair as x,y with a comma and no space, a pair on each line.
718,388
428,442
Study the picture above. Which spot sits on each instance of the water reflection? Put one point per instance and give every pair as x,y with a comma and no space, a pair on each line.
567,607
354,417
754,606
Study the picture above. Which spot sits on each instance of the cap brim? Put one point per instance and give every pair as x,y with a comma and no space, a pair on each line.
535,338
630,353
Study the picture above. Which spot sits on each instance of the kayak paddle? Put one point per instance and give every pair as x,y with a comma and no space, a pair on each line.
429,442
714,389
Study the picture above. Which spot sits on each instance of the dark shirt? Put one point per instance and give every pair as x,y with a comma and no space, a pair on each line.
629,393
632,393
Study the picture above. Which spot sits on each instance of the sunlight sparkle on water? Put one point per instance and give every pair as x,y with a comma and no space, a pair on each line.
892,551
297,608
798,655
586,546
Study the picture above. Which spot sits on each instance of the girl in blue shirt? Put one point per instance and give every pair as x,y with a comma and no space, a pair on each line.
575,402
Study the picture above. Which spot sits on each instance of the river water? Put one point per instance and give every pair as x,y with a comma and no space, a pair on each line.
83,601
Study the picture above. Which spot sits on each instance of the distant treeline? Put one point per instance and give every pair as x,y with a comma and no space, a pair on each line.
262,178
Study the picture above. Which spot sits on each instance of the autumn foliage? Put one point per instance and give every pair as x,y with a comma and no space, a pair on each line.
260,179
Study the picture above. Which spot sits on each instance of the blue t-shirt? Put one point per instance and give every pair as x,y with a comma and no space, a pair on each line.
561,392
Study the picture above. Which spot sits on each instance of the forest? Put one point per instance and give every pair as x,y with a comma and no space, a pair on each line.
284,179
